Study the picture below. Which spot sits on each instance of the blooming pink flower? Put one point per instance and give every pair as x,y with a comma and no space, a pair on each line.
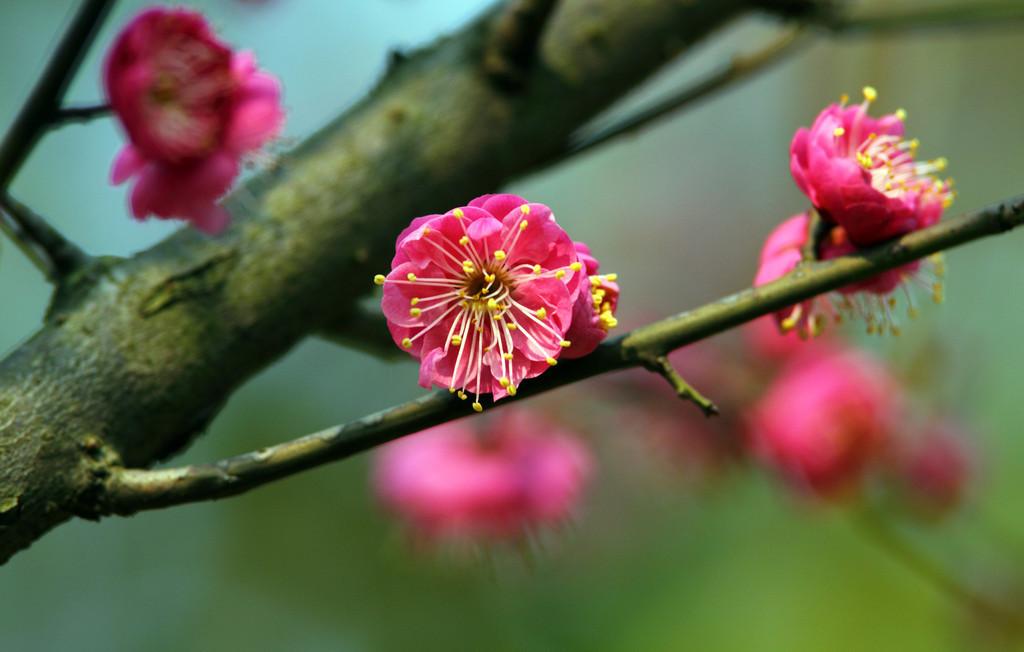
935,467
191,108
860,173
594,312
825,418
483,295
872,300
453,482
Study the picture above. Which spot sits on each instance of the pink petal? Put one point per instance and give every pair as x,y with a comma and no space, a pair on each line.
127,164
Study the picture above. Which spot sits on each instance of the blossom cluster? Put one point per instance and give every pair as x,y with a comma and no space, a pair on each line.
866,185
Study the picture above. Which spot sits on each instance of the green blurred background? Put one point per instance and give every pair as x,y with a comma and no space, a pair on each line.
311,563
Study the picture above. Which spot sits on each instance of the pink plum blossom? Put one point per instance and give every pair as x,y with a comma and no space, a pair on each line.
860,173
483,295
825,419
872,300
935,467
191,108
594,312
453,482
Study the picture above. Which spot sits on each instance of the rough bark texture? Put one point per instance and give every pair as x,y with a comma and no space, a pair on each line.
136,356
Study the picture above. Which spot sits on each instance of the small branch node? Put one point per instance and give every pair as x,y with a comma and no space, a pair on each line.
512,47
661,365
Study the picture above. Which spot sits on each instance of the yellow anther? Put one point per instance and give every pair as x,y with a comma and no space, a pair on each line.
456,340
379,279
413,301
838,131
941,163
499,255
565,344
844,98
415,312
525,209
461,394
489,278
789,323
458,213
912,312
560,273
577,266
464,240
492,305
511,389
612,277
524,224
504,382
426,230
407,343
895,330
506,356
552,361
451,390
541,312
511,326
901,115
410,276
870,94
477,407
537,269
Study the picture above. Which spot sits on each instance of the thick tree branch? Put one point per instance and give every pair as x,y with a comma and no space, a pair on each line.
44,102
512,47
131,490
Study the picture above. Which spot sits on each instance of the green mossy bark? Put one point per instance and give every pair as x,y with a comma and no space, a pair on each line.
137,355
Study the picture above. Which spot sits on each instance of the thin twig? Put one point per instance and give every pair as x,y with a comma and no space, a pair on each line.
44,102
82,113
54,254
817,229
512,47
957,15
879,531
740,67
661,365
131,490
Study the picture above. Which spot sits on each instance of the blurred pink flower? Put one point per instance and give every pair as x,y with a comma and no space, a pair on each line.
872,300
825,419
860,173
594,312
451,482
483,295
935,468
192,108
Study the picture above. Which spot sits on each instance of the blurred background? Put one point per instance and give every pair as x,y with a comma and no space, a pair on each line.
657,558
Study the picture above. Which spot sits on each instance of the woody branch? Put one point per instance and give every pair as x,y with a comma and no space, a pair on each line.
136,356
